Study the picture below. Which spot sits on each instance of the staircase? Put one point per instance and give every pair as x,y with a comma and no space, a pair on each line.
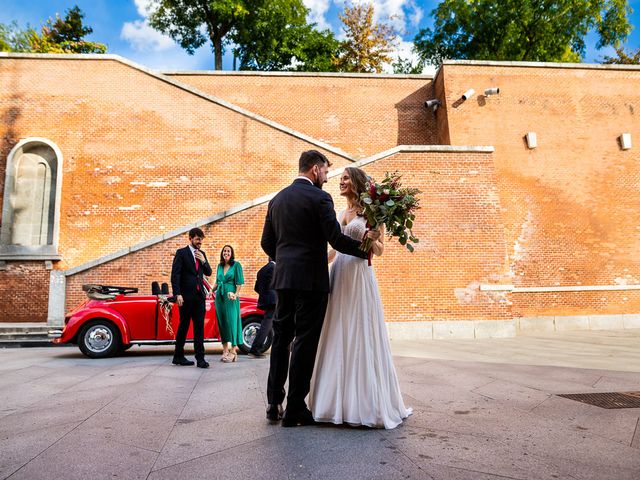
24,335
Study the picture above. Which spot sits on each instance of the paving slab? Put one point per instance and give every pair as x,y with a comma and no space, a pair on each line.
483,409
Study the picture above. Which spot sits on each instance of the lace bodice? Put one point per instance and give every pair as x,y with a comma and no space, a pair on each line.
356,228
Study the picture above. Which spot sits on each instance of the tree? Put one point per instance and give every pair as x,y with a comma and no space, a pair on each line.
56,36
623,58
368,44
407,66
183,20
13,38
276,36
524,30
68,34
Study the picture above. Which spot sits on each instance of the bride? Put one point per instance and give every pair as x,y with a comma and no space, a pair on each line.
354,380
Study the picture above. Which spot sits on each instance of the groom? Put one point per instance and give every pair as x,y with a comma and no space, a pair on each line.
300,221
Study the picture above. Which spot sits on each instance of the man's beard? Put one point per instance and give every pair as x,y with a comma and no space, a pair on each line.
318,183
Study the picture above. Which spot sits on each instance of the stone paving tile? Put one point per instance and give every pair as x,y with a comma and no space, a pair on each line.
130,426
18,448
196,438
157,394
80,456
513,395
614,424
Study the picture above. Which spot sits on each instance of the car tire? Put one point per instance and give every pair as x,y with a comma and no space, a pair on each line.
250,326
99,339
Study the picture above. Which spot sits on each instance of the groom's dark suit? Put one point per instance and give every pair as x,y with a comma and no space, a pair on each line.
300,220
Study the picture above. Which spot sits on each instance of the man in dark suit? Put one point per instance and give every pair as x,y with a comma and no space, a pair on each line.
300,221
189,266
266,302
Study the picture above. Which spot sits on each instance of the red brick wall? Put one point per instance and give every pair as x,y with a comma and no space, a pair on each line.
24,292
361,115
458,226
141,157
569,207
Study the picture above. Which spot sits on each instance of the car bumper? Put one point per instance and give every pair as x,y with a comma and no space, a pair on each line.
55,334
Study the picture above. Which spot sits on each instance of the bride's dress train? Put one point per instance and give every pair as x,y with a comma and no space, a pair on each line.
354,380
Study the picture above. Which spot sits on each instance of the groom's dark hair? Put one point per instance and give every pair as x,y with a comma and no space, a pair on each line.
310,158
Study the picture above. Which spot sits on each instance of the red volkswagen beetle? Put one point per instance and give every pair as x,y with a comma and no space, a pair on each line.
112,319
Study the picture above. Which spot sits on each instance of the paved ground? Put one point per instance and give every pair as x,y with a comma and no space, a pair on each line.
484,409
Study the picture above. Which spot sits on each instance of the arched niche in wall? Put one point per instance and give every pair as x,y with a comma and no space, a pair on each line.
31,201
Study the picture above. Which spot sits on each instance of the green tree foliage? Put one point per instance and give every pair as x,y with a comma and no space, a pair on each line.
276,36
183,20
623,58
368,44
68,34
267,34
407,66
14,39
524,30
56,36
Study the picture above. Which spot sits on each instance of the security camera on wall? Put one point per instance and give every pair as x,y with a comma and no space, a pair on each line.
433,104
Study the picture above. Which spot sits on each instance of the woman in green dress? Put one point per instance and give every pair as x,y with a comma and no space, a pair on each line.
229,280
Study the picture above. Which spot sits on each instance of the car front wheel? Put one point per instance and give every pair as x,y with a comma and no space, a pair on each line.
250,327
99,339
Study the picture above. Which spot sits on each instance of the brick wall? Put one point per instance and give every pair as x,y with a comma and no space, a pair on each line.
570,206
361,115
458,226
141,157
24,292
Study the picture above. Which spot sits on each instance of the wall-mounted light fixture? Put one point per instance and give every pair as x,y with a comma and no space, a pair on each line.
532,140
492,91
468,94
625,141
433,104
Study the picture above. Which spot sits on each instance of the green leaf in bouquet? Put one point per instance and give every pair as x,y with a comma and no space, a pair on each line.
368,200
402,240
409,223
410,247
414,239
390,203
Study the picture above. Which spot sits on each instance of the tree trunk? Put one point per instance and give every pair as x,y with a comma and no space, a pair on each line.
217,48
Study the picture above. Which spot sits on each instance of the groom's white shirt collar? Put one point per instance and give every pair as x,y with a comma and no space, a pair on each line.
304,178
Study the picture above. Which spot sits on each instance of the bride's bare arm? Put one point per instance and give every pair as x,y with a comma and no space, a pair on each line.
332,255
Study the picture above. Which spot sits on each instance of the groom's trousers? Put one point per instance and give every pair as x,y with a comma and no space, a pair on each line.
299,318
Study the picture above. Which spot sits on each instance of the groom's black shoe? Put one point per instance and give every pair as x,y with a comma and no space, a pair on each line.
182,361
293,419
274,413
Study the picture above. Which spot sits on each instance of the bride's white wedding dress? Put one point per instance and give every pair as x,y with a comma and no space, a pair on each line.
354,380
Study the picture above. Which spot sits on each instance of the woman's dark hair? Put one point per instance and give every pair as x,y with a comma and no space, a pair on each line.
359,181
233,256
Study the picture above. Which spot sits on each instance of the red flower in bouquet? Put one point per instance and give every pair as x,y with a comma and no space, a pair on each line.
388,203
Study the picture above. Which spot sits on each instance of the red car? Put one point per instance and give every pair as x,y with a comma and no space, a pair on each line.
113,319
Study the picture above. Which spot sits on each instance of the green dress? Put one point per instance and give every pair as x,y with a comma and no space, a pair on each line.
228,311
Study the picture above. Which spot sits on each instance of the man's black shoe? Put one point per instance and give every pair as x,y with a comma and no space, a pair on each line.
274,413
256,354
302,418
202,364
182,361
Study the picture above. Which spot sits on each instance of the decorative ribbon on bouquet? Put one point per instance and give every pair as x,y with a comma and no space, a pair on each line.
166,309
366,245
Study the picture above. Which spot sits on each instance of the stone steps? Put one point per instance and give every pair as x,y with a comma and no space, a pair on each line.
24,335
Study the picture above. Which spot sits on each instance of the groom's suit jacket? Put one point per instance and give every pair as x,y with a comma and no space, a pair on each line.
300,221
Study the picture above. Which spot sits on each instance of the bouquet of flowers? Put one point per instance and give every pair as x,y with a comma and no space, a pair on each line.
388,203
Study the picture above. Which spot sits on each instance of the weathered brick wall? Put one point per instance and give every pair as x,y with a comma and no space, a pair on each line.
458,226
24,292
570,206
141,157
362,115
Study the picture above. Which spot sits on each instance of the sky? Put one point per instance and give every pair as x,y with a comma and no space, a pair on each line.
122,26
